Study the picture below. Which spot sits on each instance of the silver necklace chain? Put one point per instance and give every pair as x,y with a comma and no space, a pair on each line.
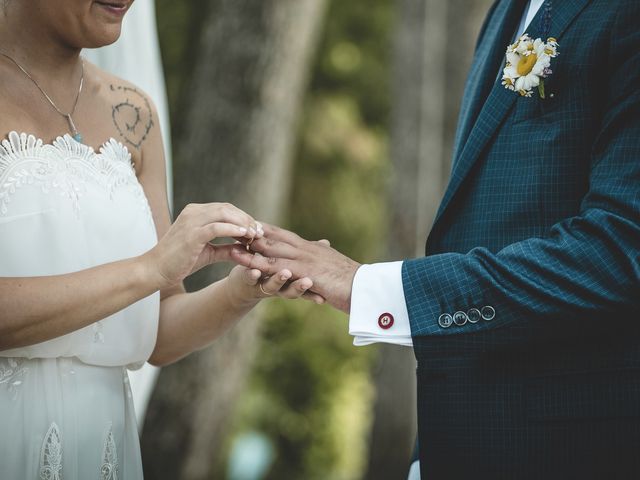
76,135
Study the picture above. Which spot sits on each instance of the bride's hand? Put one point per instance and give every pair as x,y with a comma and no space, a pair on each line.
248,285
185,248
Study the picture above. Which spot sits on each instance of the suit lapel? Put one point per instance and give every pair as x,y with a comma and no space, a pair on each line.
500,100
485,65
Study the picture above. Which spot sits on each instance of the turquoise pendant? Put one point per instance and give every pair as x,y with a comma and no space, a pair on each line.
72,126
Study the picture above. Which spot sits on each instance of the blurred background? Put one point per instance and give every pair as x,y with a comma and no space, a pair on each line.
335,119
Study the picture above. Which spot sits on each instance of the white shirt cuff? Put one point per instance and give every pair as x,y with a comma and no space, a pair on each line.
378,309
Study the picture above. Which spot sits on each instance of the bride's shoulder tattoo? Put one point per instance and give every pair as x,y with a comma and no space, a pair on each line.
131,114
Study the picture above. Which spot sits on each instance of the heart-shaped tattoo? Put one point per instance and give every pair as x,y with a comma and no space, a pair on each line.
132,116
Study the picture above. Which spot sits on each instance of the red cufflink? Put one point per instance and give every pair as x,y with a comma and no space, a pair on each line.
385,321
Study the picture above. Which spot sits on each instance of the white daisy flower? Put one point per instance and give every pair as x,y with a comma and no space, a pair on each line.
528,64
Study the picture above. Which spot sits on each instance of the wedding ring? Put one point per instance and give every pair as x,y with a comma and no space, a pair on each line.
248,245
263,290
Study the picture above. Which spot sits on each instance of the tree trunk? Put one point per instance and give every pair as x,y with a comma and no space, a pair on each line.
235,144
432,50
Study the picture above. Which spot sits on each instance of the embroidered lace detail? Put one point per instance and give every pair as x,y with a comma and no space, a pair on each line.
109,467
65,166
11,372
51,455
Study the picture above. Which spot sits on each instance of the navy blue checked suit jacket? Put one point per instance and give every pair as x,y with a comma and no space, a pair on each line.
525,311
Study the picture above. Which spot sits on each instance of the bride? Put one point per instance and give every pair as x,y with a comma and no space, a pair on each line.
91,266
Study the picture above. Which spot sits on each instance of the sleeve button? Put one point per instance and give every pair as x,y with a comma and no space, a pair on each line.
488,313
445,320
460,318
474,315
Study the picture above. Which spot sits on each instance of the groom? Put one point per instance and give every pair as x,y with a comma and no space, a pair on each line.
524,314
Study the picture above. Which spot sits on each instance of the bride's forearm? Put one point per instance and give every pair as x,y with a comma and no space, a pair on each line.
35,309
191,321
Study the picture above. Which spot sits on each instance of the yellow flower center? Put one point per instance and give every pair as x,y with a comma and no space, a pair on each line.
526,64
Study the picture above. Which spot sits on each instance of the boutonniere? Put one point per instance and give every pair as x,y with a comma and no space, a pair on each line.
528,64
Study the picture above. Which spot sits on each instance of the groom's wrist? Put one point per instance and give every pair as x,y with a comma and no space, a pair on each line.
349,276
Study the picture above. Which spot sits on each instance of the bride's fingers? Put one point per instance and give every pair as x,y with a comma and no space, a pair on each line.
296,289
273,284
251,276
325,242
215,230
205,213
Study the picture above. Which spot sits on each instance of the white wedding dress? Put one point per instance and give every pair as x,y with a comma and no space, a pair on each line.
66,411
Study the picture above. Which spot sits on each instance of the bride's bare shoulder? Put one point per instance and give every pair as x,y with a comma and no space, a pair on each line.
133,114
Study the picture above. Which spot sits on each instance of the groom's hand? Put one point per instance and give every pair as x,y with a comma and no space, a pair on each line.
331,272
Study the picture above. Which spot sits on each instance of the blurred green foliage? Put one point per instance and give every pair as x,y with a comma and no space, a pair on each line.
310,390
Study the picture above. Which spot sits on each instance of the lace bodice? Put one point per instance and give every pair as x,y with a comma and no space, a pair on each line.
65,207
